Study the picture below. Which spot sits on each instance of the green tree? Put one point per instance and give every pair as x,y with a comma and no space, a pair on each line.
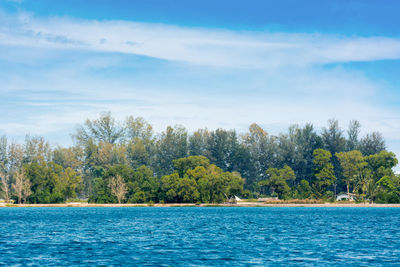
170,187
324,175
352,164
138,153
198,143
182,165
138,129
364,182
388,189
70,182
381,164
277,186
305,141
216,184
187,190
333,137
277,181
334,142
195,179
3,154
226,152
262,149
235,183
353,132
36,149
141,146
172,144
101,192
47,184
143,186
104,129
372,144
71,157
304,189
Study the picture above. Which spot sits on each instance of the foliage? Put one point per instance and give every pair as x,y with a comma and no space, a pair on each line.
203,166
50,183
324,174
277,181
352,164
200,180
304,189
388,190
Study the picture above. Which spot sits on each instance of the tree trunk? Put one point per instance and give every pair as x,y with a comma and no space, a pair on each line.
348,190
334,186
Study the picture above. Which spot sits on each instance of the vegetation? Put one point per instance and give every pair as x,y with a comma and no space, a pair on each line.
125,162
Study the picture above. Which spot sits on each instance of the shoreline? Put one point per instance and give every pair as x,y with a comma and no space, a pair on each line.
243,204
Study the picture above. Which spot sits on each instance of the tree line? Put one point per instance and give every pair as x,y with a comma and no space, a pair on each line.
125,161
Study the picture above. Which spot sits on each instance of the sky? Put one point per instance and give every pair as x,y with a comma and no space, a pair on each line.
215,64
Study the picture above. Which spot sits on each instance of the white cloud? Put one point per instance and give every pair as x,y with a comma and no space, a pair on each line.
217,78
193,45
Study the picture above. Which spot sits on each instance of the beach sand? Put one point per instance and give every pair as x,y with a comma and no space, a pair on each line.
239,204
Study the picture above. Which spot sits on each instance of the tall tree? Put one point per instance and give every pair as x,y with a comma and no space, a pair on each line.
353,133
138,129
21,186
104,129
352,163
372,144
305,140
198,143
262,149
70,182
226,151
277,181
334,142
71,157
5,186
381,164
3,154
183,165
364,181
47,183
172,144
36,149
143,186
15,157
324,174
333,137
139,153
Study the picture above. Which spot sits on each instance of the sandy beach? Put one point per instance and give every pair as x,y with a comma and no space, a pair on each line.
240,204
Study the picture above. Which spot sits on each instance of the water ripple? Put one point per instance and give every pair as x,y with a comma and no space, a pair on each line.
199,236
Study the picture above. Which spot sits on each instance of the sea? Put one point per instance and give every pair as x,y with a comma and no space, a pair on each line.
199,236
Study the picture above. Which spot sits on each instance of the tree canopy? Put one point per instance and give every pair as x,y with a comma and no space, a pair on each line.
125,161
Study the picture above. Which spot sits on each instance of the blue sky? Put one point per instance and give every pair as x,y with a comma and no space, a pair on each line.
200,64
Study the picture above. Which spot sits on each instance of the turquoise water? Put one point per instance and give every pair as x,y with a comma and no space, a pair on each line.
199,236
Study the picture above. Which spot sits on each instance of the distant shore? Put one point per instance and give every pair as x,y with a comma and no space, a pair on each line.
240,204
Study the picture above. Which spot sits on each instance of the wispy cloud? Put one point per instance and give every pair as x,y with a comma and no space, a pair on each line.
59,71
195,45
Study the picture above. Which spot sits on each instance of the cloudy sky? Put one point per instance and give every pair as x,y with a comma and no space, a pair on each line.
215,64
